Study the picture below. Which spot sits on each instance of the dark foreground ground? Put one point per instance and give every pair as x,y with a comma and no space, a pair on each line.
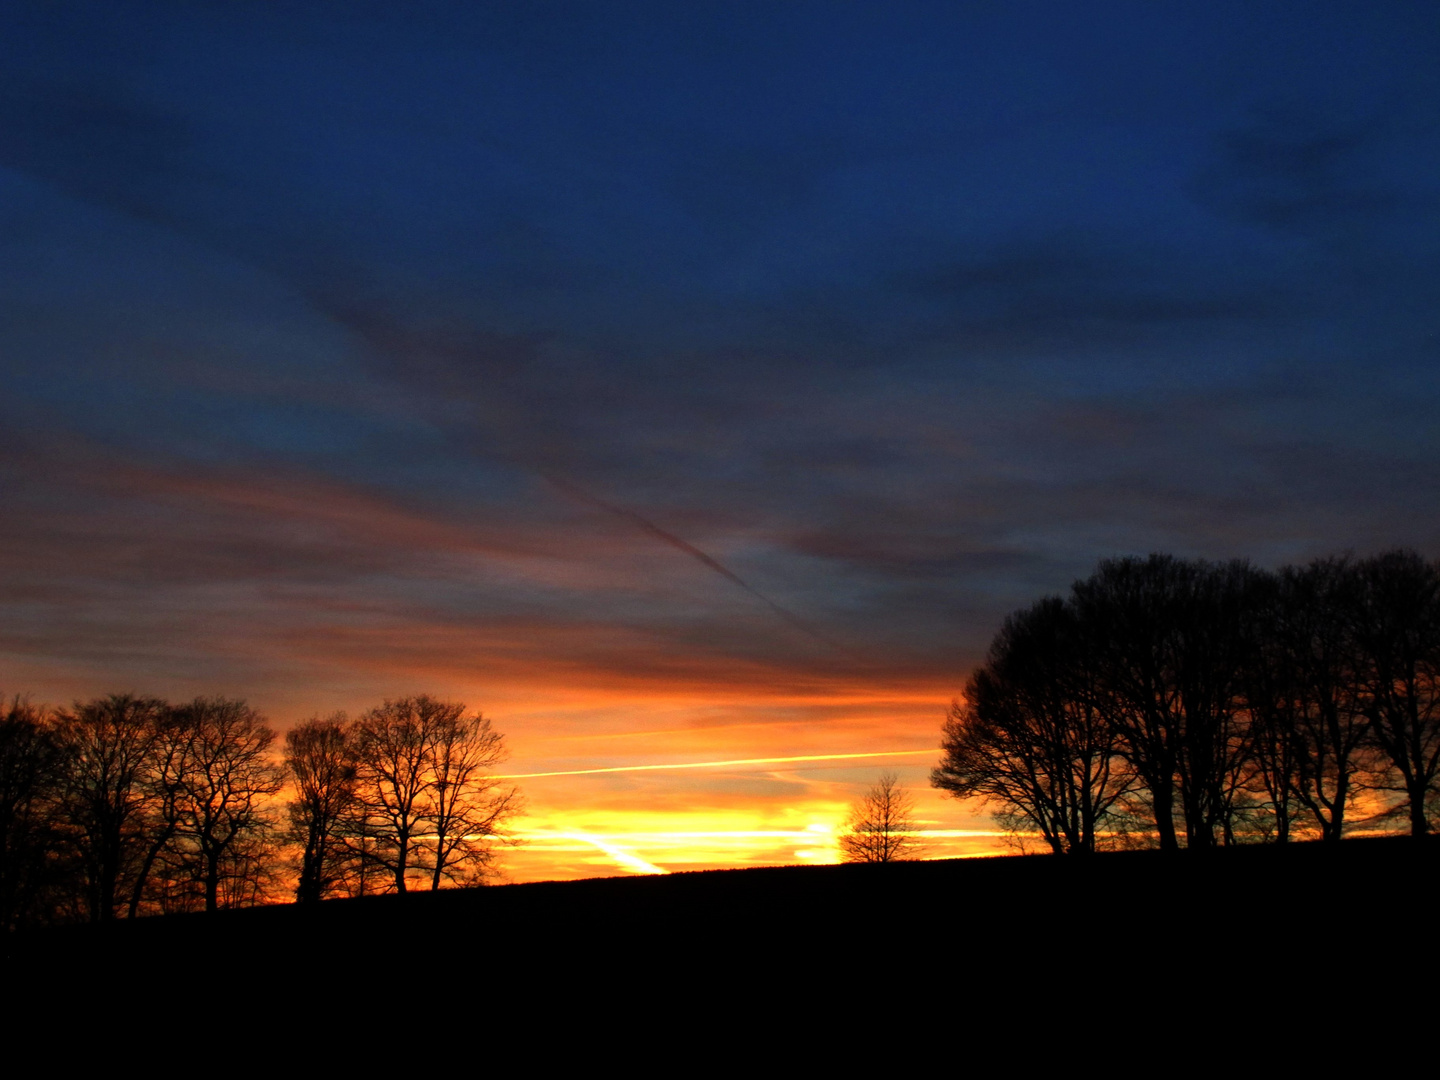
1235,932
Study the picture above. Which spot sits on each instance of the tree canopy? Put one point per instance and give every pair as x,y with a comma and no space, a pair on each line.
1201,703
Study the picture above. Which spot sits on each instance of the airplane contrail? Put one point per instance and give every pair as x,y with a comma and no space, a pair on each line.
372,327
717,764
627,859
580,494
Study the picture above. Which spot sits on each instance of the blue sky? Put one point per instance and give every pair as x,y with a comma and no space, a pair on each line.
497,321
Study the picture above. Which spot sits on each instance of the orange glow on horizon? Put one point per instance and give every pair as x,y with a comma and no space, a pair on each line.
641,744
713,764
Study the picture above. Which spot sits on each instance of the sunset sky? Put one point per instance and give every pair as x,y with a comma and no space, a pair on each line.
688,383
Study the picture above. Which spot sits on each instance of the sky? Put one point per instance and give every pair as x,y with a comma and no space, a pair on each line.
683,384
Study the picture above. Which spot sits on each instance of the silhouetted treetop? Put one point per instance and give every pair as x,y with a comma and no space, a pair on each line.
1208,701
881,826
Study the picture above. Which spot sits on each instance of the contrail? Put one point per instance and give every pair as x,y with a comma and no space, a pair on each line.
627,859
716,764
373,329
580,494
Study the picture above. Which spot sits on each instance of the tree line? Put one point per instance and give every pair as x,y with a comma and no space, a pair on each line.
127,805
1190,703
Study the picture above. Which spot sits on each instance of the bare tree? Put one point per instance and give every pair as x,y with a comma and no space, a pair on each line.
423,800
466,808
161,786
1030,741
225,833
29,771
1309,725
392,777
1397,624
881,826
321,763
1169,661
107,745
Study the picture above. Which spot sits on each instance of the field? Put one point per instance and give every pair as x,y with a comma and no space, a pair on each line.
1259,919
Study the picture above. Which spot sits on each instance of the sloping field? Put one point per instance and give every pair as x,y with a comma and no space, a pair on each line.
1251,923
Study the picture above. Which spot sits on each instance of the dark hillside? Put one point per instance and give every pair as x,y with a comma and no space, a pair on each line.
1248,916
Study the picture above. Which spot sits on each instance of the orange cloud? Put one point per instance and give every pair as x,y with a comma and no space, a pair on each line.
647,741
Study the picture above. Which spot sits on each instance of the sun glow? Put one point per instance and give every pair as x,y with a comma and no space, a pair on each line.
641,842
680,849
675,810
621,856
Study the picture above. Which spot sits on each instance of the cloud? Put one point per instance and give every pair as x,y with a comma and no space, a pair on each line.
1295,171
869,328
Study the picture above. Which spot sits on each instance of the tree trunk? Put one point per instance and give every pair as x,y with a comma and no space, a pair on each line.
105,896
1419,826
1330,830
212,883
151,855
402,858
308,889
439,862
1165,817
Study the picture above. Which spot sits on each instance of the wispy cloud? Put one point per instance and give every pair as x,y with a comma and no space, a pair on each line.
721,764
694,378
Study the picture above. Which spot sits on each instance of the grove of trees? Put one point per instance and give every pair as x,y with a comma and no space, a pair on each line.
128,805
401,796
1189,703
1163,701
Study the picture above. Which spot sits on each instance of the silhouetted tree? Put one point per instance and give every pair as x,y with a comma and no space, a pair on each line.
106,746
29,772
1270,696
321,762
161,787
1168,661
1397,626
224,840
1030,741
881,826
423,800
1125,609
465,808
1238,698
1308,718
391,752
